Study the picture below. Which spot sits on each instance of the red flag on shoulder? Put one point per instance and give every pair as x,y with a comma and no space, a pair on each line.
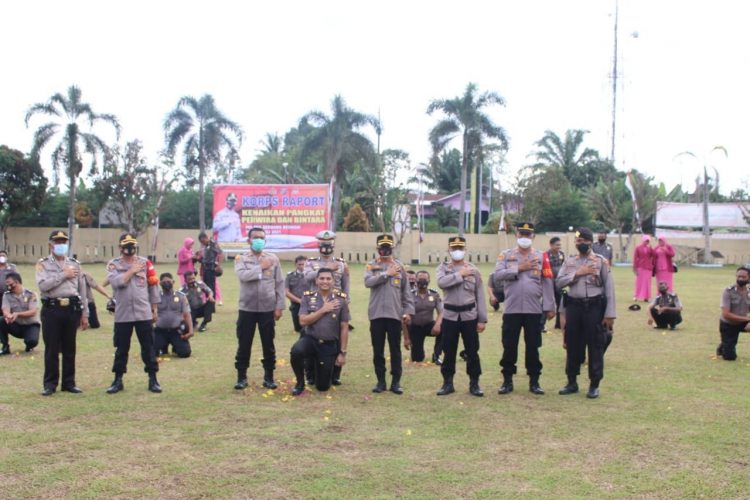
546,266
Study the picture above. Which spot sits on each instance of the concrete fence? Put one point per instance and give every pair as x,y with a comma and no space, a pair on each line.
27,245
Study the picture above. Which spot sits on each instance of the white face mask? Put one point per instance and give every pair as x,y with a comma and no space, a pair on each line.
524,242
3,259
457,255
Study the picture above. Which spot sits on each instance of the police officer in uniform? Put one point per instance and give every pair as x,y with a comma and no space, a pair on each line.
390,303
20,314
496,290
325,315
735,304
201,299
666,309
601,247
135,287
464,314
529,294
210,256
589,312
427,302
5,266
174,324
261,304
295,286
64,309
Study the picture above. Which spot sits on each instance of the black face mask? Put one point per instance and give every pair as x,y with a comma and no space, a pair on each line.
422,284
741,283
602,240
128,250
663,291
583,248
167,285
385,251
326,249
192,284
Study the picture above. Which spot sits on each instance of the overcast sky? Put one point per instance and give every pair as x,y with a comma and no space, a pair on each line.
683,69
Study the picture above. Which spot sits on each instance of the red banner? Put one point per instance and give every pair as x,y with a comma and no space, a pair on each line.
291,214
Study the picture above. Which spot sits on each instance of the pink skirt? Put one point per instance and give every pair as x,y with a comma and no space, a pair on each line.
643,284
665,276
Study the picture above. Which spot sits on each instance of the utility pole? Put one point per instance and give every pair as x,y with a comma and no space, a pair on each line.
614,87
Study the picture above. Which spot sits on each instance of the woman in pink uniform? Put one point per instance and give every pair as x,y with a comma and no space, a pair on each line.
663,254
185,259
643,268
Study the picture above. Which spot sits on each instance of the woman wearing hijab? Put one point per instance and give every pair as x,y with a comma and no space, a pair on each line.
643,268
185,259
663,254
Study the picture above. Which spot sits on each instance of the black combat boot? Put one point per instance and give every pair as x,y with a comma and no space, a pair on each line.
571,388
5,350
268,382
117,385
396,385
241,380
507,386
534,386
336,375
380,386
298,388
447,387
153,384
474,388
593,391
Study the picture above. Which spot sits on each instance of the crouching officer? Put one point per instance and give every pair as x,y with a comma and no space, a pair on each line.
20,314
423,324
589,312
173,323
735,304
60,281
201,300
136,293
666,309
464,314
325,316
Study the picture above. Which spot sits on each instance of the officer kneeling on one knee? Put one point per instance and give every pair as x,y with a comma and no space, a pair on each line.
173,323
325,315
589,312
20,314
735,304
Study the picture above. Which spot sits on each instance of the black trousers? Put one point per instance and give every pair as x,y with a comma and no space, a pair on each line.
93,316
246,323
730,334
209,278
205,311
144,330
322,357
380,330
59,329
584,330
417,334
532,337
450,332
558,298
666,319
294,308
29,333
165,336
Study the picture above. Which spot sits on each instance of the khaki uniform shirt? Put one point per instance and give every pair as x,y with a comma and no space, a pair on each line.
526,292
339,267
737,302
90,285
134,297
603,249
23,302
196,295
389,296
296,283
460,291
260,290
669,300
171,309
592,285
4,271
425,307
53,284
329,326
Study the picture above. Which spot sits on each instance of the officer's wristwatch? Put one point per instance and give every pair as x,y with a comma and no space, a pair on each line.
343,353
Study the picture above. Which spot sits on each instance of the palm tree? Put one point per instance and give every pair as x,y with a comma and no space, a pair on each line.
67,111
206,134
579,167
338,139
465,115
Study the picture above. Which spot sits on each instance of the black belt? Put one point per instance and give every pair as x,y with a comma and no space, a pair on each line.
584,300
458,309
321,341
61,301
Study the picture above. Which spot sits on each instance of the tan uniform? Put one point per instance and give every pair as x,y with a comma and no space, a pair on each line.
328,327
337,265
461,292
53,284
390,296
135,297
260,290
171,310
21,303
589,286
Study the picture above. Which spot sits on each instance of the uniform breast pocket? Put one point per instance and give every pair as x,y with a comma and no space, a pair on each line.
470,285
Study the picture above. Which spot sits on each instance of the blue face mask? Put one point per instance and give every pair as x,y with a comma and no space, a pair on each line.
258,244
60,249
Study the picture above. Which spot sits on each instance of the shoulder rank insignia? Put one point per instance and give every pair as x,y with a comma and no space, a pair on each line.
309,292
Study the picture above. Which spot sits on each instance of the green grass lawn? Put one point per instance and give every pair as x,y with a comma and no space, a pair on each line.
672,420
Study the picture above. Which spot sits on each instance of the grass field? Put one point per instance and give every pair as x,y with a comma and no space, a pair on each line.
672,421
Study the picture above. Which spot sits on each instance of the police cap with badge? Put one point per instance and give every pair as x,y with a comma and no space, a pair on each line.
526,228
456,242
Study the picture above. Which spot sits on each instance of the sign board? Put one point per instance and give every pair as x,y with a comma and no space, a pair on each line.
726,215
290,214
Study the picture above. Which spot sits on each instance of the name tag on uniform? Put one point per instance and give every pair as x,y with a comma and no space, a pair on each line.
267,272
431,299
396,281
176,299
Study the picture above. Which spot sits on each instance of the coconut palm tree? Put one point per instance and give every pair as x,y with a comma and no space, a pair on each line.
207,136
581,168
337,137
68,112
465,116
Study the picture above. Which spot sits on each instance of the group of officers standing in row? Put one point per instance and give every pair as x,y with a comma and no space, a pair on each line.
319,291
